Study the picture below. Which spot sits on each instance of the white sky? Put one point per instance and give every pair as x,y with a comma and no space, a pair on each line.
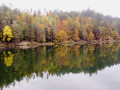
107,7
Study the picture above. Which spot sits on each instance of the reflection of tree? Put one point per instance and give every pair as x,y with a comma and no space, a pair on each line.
56,61
8,58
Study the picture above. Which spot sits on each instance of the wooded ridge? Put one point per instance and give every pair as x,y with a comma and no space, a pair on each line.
56,26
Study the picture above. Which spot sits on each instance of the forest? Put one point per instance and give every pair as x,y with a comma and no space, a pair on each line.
56,26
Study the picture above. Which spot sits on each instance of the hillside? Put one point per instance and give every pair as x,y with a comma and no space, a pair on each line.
56,26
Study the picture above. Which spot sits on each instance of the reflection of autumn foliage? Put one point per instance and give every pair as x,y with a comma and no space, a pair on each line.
58,60
86,58
8,58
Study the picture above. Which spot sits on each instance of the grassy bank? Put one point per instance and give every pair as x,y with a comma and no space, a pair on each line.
26,44
83,42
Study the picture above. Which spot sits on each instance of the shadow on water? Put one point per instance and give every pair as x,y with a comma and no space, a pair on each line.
55,60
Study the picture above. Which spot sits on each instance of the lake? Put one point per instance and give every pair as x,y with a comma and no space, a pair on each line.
88,67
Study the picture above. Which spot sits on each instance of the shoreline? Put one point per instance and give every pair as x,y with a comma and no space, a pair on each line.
83,42
27,44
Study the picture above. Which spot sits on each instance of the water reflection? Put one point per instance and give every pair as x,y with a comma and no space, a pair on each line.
55,60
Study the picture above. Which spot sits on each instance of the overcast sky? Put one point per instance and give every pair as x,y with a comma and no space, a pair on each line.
106,7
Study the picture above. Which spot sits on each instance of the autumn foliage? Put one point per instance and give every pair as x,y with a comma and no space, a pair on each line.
7,34
56,26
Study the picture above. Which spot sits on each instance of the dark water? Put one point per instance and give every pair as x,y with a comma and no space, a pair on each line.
90,67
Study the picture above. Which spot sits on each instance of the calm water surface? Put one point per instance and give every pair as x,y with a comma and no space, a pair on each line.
90,67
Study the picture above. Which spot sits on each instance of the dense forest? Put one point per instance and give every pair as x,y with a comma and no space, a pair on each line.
17,64
56,26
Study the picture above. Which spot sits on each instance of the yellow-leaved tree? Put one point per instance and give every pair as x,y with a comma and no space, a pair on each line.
7,33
